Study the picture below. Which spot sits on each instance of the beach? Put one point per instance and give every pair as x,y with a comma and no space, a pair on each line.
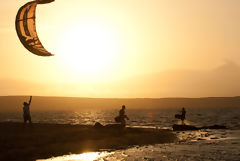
70,135
41,141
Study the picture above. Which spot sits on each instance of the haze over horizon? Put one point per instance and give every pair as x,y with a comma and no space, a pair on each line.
125,49
171,83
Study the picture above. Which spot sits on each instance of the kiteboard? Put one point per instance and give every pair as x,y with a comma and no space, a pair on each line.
118,119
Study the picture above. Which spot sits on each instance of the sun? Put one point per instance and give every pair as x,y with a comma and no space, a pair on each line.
88,49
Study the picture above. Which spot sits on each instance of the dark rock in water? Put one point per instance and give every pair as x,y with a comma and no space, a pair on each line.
214,138
114,126
214,127
98,125
190,127
183,127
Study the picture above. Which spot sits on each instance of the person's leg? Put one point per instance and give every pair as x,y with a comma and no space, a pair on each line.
25,119
30,120
123,122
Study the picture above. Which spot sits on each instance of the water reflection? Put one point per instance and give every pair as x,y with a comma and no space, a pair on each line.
79,157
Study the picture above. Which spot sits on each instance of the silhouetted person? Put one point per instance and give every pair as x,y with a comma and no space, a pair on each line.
183,117
121,118
26,111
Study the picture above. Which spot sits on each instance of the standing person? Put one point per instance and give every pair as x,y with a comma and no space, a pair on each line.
183,117
121,118
26,111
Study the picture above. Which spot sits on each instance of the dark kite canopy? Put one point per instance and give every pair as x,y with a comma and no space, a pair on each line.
26,28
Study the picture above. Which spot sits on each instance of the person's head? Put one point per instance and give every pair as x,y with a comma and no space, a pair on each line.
123,107
24,103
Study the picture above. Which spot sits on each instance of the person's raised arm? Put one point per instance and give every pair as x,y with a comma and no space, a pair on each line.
30,100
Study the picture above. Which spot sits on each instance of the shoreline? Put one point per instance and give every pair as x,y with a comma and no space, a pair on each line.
41,141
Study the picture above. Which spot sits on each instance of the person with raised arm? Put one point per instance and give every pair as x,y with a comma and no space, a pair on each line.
26,111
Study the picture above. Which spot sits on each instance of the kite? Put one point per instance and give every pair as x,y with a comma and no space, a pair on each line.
26,28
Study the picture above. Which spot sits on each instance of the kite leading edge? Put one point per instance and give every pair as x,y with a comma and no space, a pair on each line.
26,28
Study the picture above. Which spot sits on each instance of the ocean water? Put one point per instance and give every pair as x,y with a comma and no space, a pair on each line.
191,145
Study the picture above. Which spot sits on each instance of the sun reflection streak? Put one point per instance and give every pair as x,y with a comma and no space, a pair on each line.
79,157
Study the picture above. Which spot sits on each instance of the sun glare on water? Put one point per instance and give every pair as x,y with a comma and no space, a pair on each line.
88,49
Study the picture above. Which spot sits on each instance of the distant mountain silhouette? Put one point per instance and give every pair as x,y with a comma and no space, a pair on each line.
221,81
14,103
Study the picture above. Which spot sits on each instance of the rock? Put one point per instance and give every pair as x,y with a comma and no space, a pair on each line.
190,127
183,127
98,125
214,127
114,126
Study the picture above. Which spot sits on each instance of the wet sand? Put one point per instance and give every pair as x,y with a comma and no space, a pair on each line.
192,146
27,143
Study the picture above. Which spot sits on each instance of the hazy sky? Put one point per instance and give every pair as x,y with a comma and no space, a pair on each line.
98,44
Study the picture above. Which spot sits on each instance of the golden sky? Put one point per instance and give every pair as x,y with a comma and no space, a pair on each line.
105,48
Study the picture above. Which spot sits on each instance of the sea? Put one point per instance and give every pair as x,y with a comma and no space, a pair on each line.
222,144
